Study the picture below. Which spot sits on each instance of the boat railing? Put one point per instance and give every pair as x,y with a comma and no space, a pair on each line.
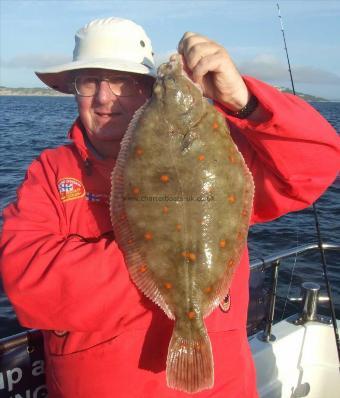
270,261
273,262
29,338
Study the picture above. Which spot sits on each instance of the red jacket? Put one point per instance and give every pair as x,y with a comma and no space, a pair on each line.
63,271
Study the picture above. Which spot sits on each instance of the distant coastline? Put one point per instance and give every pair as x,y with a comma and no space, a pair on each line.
23,91
306,97
47,92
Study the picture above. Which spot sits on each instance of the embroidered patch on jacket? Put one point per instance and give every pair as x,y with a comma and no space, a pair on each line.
99,198
69,189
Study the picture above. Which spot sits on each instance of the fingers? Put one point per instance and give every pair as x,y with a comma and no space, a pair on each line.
209,65
184,38
193,47
188,40
212,62
201,55
200,52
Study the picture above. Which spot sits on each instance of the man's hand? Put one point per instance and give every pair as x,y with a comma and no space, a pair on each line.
210,65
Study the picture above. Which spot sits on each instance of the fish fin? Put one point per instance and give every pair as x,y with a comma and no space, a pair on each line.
117,175
133,256
190,365
134,121
145,282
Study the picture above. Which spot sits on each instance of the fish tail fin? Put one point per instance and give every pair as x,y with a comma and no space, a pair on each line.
190,365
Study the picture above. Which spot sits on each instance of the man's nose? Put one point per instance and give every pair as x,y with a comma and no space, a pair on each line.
104,93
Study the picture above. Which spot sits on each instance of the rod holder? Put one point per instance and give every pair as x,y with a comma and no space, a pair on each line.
310,293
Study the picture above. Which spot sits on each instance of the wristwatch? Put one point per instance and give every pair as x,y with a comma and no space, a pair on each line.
247,110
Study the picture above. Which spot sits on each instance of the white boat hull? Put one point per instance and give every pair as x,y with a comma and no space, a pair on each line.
301,362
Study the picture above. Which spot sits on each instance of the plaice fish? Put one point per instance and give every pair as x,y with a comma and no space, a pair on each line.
180,206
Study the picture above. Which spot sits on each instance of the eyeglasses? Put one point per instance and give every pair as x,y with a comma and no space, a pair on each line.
122,86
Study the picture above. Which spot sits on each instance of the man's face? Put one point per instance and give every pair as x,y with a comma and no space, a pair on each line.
111,100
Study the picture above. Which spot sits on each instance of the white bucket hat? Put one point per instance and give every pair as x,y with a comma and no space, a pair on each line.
111,43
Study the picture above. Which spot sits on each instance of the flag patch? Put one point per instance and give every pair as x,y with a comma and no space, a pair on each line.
70,188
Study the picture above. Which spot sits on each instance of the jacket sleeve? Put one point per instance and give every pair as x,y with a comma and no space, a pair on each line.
56,281
294,154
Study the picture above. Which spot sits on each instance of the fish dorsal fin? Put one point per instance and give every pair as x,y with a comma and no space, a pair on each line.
124,144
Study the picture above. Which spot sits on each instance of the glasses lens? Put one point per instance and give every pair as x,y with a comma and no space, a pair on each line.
123,86
86,85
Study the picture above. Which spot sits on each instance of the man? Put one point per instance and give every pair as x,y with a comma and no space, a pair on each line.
61,266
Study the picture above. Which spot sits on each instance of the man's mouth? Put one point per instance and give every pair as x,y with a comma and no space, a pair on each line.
107,115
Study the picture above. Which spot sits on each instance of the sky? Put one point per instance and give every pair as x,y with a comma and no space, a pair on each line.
40,33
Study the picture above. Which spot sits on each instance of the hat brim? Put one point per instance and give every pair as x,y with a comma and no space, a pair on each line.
60,77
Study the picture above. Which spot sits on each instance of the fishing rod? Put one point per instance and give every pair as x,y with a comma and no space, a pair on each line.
316,218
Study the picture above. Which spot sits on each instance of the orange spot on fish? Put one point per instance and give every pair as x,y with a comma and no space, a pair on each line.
148,235
207,289
165,178
231,263
240,236
167,285
178,227
231,198
244,212
201,157
130,241
139,151
232,159
165,210
191,315
192,256
122,216
222,243
135,190
189,255
143,268
215,125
